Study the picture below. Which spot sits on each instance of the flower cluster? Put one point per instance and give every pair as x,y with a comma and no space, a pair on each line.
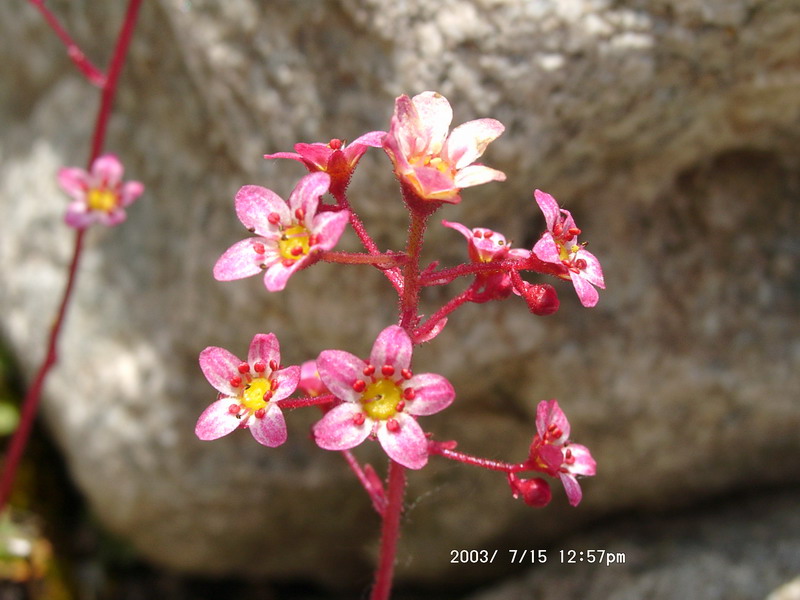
381,398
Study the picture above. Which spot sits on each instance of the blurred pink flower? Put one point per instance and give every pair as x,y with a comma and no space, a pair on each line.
99,195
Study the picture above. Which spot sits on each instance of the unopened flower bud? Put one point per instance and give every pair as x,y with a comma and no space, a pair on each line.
535,492
542,298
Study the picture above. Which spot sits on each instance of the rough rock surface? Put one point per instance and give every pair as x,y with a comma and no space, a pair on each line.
670,128
746,551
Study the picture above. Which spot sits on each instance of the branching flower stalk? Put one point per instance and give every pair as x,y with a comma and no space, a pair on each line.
99,196
380,398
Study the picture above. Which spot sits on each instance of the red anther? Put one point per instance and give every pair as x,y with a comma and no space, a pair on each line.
359,418
406,373
387,370
259,248
359,385
335,144
273,365
392,425
233,409
487,234
369,370
259,366
574,231
313,239
235,381
268,395
296,251
287,262
580,264
259,414
400,406
273,218
476,233
244,368
299,214
409,394
557,229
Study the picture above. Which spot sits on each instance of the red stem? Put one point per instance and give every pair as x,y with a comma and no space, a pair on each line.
390,532
381,261
476,461
409,299
292,403
30,403
94,75
369,481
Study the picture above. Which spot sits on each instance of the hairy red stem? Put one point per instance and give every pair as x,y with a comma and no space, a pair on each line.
390,532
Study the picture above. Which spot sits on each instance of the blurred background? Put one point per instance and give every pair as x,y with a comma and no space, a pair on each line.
670,129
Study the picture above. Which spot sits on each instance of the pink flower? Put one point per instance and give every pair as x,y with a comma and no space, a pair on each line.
434,164
380,399
485,246
551,451
559,245
99,196
335,158
288,234
248,391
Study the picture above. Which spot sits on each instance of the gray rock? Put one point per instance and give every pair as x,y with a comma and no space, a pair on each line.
669,128
745,551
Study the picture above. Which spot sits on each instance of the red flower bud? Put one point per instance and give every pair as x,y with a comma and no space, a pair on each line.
542,298
535,492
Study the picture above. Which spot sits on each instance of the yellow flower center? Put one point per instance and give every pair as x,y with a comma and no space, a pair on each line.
381,398
102,199
294,242
253,396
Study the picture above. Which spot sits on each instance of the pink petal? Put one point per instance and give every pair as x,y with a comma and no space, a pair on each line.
551,457
277,275
406,135
586,292
329,226
316,154
373,139
107,170
130,191
74,181
432,394
338,370
270,430
585,463
337,429
477,175
432,184
469,141
219,366
435,116
306,195
285,382
548,412
592,272
310,382
216,421
289,155
407,445
549,207
112,218
254,204
392,347
241,260
463,230
546,249
78,216
264,348
572,487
